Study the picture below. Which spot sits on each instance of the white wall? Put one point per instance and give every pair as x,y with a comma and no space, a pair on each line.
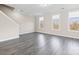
63,27
26,23
8,28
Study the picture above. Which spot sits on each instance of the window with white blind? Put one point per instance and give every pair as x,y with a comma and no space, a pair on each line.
55,22
41,21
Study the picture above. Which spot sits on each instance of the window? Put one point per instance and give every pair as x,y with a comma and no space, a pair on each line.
41,19
55,21
74,20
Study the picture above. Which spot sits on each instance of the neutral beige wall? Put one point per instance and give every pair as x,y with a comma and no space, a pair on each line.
26,23
8,28
63,27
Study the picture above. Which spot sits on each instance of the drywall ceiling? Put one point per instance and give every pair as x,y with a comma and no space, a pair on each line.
38,9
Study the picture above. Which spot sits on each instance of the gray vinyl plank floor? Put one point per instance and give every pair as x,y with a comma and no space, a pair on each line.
40,44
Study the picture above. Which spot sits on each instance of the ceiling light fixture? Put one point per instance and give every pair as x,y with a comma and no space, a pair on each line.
62,8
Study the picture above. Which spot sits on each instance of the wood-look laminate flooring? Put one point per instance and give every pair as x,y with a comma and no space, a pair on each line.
40,44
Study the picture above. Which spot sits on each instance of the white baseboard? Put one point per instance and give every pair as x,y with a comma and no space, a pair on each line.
26,33
1,40
60,35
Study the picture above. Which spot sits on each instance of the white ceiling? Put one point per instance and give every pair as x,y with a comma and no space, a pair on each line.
36,9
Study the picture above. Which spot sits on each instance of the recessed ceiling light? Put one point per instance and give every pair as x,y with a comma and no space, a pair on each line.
62,8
